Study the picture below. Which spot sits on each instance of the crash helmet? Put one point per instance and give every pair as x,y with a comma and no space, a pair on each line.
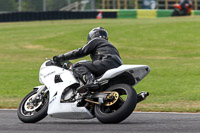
98,32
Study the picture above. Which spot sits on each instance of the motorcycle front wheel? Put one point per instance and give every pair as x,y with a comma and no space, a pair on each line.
121,109
175,13
30,111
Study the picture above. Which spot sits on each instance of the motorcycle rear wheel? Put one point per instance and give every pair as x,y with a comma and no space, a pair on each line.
29,113
121,109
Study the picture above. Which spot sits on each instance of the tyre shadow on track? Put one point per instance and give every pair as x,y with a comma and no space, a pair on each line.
88,123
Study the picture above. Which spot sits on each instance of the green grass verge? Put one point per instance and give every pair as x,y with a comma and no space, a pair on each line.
170,46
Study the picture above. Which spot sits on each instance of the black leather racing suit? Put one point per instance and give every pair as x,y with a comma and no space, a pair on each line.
103,54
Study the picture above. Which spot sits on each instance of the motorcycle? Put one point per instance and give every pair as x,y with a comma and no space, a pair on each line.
178,11
112,102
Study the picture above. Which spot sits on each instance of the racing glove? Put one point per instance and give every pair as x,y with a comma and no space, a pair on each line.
58,58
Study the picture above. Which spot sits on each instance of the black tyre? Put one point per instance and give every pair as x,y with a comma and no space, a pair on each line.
175,13
29,112
120,110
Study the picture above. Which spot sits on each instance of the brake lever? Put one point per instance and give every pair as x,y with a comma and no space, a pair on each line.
53,62
56,63
49,59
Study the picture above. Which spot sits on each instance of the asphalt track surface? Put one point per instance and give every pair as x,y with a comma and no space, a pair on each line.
136,123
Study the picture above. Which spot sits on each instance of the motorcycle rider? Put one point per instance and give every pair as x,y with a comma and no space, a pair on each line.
185,4
103,54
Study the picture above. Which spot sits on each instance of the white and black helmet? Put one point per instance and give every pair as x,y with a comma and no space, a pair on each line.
98,32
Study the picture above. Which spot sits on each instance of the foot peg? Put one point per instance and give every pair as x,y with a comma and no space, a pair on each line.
142,96
84,88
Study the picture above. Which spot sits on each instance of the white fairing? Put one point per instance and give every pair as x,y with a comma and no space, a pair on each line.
56,108
70,110
137,71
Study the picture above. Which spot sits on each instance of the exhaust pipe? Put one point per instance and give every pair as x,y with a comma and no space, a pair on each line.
142,96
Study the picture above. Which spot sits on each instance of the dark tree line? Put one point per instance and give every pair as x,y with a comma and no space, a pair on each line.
37,5
32,5
8,5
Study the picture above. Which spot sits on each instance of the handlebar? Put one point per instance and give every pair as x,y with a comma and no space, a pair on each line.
67,64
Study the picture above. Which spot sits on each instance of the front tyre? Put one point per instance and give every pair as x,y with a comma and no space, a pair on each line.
30,111
176,13
120,110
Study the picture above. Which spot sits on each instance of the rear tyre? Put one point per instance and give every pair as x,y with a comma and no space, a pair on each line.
31,112
120,110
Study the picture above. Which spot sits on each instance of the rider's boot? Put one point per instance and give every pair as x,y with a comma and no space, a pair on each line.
90,83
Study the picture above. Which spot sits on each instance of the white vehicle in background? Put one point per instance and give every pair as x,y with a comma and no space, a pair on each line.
58,97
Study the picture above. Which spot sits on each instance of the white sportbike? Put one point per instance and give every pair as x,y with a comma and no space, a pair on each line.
112,102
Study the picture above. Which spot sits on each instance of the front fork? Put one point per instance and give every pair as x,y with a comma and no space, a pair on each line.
39,90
